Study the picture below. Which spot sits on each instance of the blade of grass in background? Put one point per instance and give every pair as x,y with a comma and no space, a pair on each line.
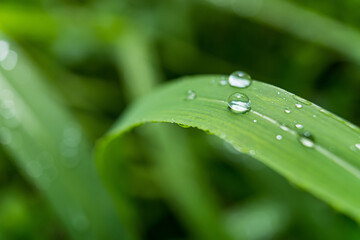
300,22
178,173
305,143
51,149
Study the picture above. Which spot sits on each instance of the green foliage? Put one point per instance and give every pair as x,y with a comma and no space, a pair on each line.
76,66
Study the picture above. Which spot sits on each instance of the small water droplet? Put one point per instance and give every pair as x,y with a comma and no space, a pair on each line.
239,103
255,120
240,79
191,95
314,116
307,139
279,137
278,93
4,49
298,105
287,110
299,126
302,100
9,63
357,146
223,81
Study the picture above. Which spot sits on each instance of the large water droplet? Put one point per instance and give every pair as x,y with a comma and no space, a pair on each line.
302,100
240,79
191,95
239,103
307,139
299,126
4,49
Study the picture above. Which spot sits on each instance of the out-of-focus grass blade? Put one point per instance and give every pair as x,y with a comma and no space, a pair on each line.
50,147
178,173
300,22
310,146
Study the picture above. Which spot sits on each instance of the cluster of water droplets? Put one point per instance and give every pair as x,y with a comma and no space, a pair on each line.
8,57
240,103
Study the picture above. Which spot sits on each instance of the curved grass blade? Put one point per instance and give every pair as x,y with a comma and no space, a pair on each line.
328,166
50,147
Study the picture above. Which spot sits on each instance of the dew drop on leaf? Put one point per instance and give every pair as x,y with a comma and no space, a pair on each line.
306,139
239,103
287,110
298,105
299,126
191,95
223,81
240,79
278,137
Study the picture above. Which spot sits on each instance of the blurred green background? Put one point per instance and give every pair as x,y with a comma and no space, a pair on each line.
89,53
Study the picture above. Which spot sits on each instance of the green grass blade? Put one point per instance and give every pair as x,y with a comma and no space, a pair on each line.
329,169
53,152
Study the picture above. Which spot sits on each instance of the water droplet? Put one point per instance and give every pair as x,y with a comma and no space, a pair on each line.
9,63
239,103
287,110
4,49
278,93
298,105
299,126
357,146
223,81
302,100
314,116
255,120
307,139
279,137
239,79
191,95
